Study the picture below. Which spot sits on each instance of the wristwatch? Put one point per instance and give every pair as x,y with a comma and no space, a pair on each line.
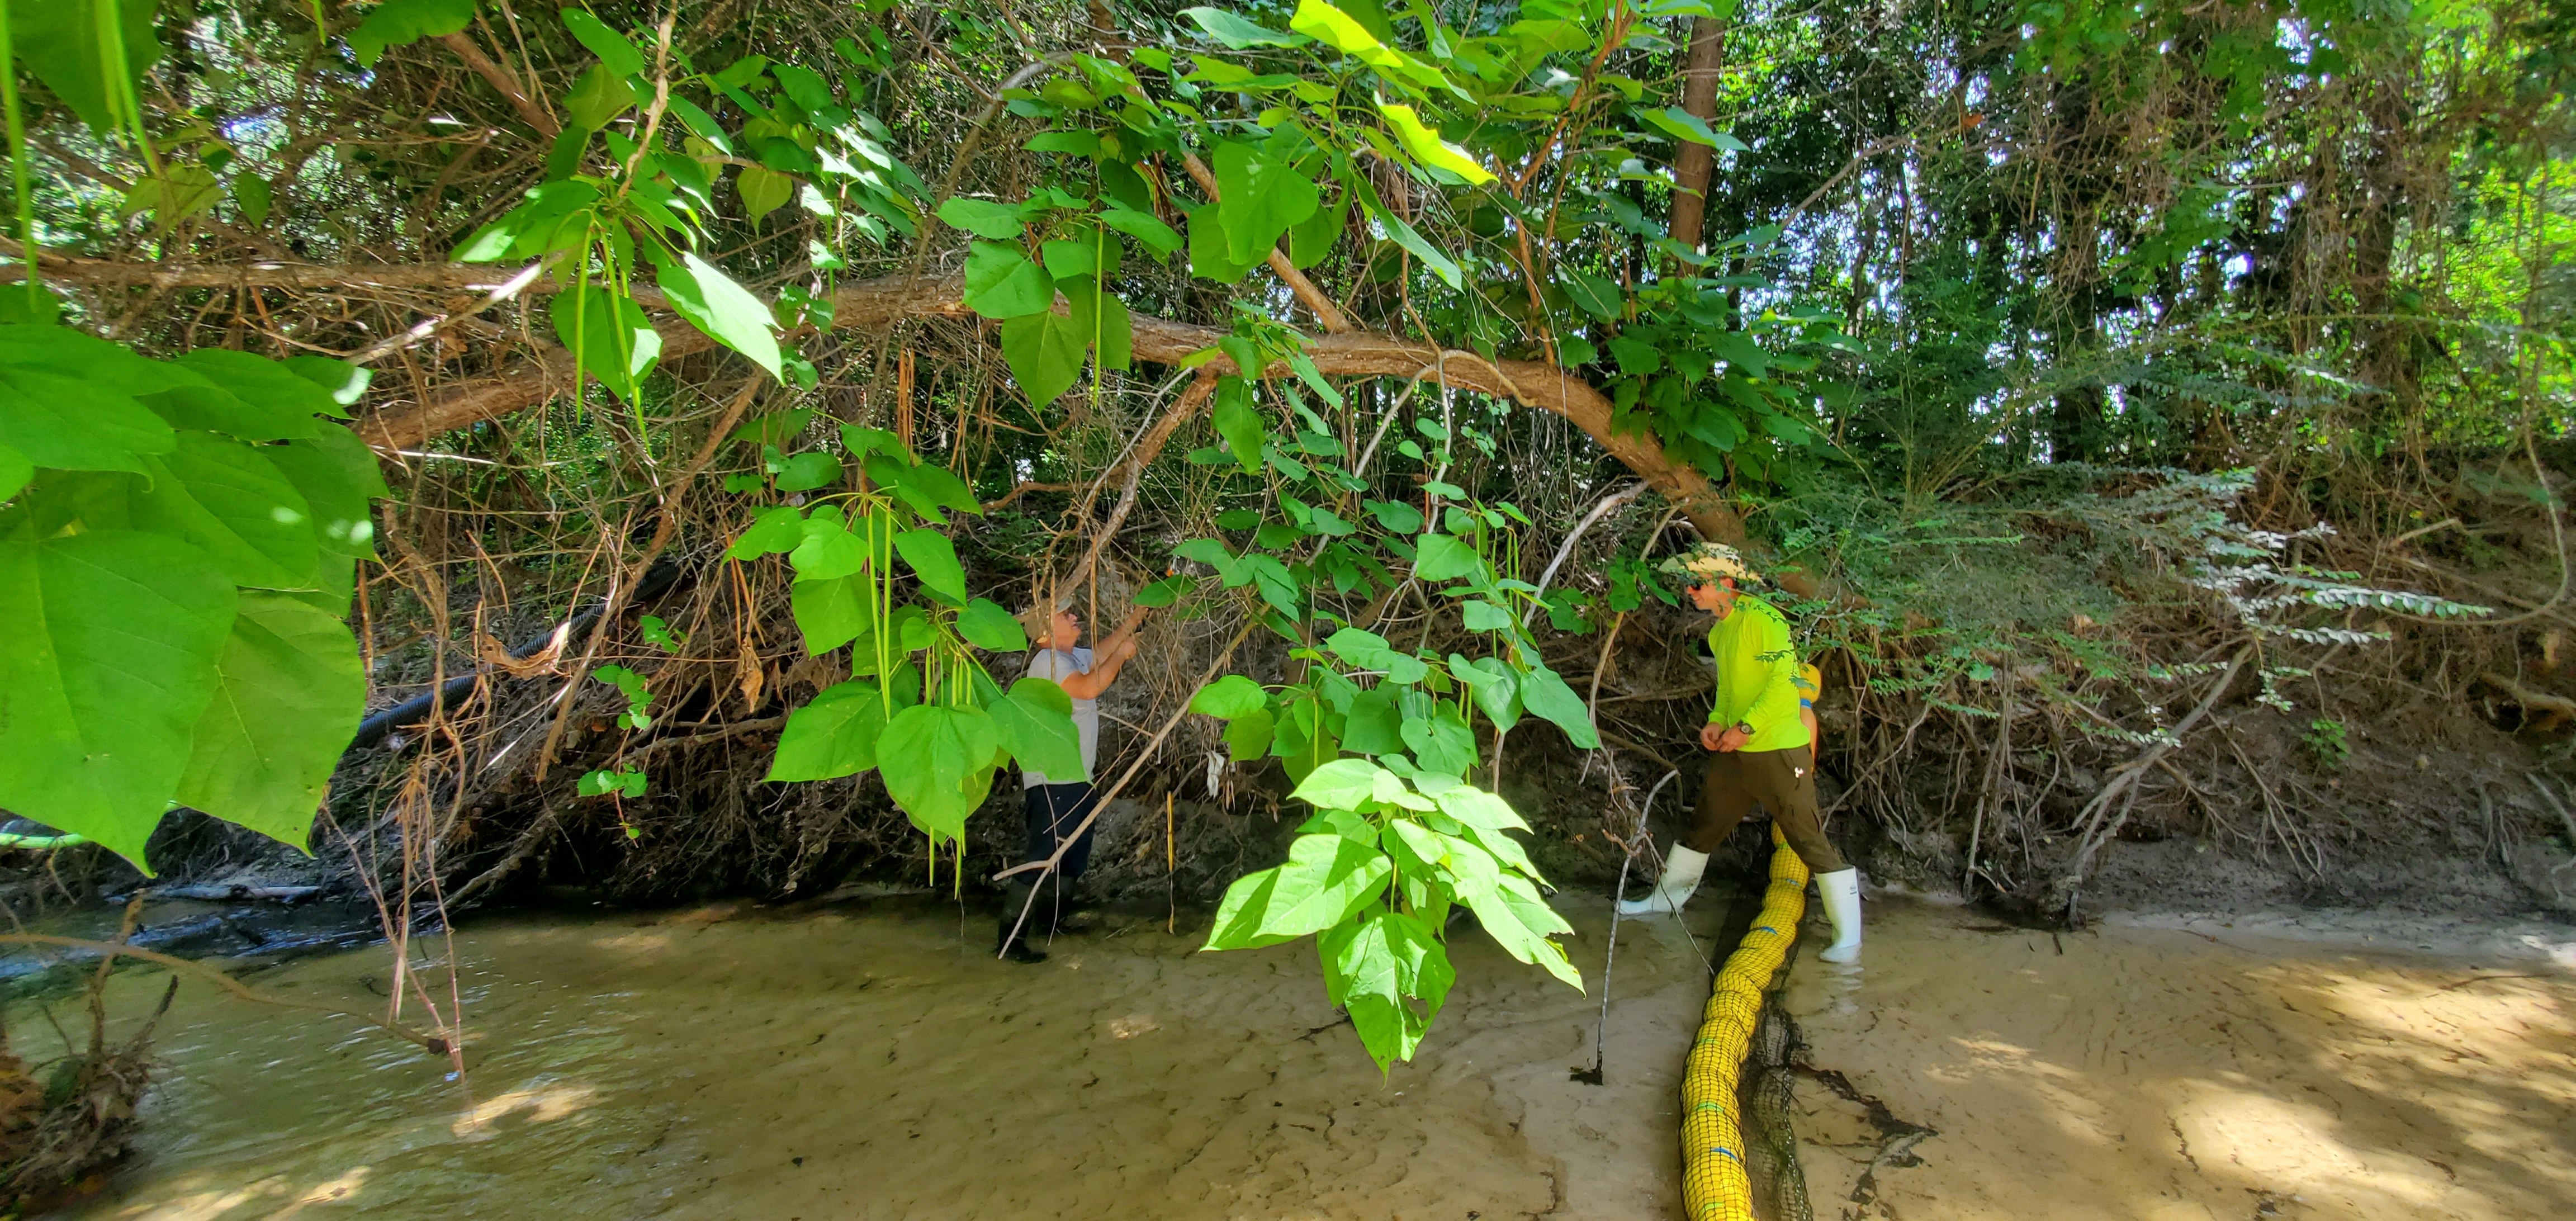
1745,727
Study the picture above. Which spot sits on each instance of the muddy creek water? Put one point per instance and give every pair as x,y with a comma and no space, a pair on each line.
866,1060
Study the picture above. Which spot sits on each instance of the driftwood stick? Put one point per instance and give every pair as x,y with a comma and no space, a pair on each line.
1565,549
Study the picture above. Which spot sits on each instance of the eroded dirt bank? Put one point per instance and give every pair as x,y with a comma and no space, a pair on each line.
865,1060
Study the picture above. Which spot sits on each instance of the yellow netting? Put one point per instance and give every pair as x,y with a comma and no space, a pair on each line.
1714,1184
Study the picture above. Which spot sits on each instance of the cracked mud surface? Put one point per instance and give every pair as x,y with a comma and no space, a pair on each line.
865,1062
2189,1072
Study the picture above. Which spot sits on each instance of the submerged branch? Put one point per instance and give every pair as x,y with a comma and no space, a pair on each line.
433,1044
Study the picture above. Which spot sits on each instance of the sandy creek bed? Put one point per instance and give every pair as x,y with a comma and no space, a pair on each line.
861,1061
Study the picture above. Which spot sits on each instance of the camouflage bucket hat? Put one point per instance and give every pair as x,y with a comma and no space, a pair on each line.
1708,562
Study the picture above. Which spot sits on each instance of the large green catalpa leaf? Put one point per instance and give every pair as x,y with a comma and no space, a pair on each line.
1229,697
1547,695
1259,196
986,625
1035,724
1521,922
1373,966
108,657
828,550
934,559
1238,33
928,489
1327,879
1239,423
1370,651
1497,689
402,22
268,383
773,531
1249,736
1001,282
1103,322
1211,247
1440,557
1238,916
1373,726
228,499
834,735
1045,352
58,41
1440,743
834,611
609,332
288,694
243,396
15,471
937,761
339,479
716,305
68,421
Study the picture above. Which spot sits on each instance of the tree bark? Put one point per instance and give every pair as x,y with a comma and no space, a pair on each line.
410,423
1692,166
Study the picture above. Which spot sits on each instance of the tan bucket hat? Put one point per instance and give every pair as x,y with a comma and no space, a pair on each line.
1708,562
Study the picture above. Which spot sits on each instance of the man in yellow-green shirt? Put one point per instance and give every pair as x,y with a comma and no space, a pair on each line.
1760,749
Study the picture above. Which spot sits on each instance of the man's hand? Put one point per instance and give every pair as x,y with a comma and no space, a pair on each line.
1723,738
1121,644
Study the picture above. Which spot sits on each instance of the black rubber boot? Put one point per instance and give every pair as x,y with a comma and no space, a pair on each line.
1055,906
1015,898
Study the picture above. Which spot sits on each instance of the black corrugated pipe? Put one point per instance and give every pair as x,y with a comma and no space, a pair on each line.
660,577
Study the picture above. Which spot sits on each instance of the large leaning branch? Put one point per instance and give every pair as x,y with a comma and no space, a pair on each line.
301,277
402,424
409,424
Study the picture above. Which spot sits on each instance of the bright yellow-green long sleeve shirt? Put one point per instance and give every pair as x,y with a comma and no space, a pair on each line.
1757,675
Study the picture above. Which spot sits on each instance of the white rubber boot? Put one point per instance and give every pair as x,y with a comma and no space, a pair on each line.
1840,891
1682,868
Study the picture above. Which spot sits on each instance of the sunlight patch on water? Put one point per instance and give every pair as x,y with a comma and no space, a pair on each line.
1132,1025
213,1205
541,1104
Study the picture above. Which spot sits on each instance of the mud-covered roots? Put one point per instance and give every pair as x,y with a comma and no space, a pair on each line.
60,1128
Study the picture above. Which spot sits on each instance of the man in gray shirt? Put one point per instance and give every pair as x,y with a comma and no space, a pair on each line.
1058,805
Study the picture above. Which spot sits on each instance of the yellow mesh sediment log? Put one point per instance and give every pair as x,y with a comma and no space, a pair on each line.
1714,1184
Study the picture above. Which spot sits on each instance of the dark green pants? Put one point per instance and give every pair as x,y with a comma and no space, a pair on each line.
1784,782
